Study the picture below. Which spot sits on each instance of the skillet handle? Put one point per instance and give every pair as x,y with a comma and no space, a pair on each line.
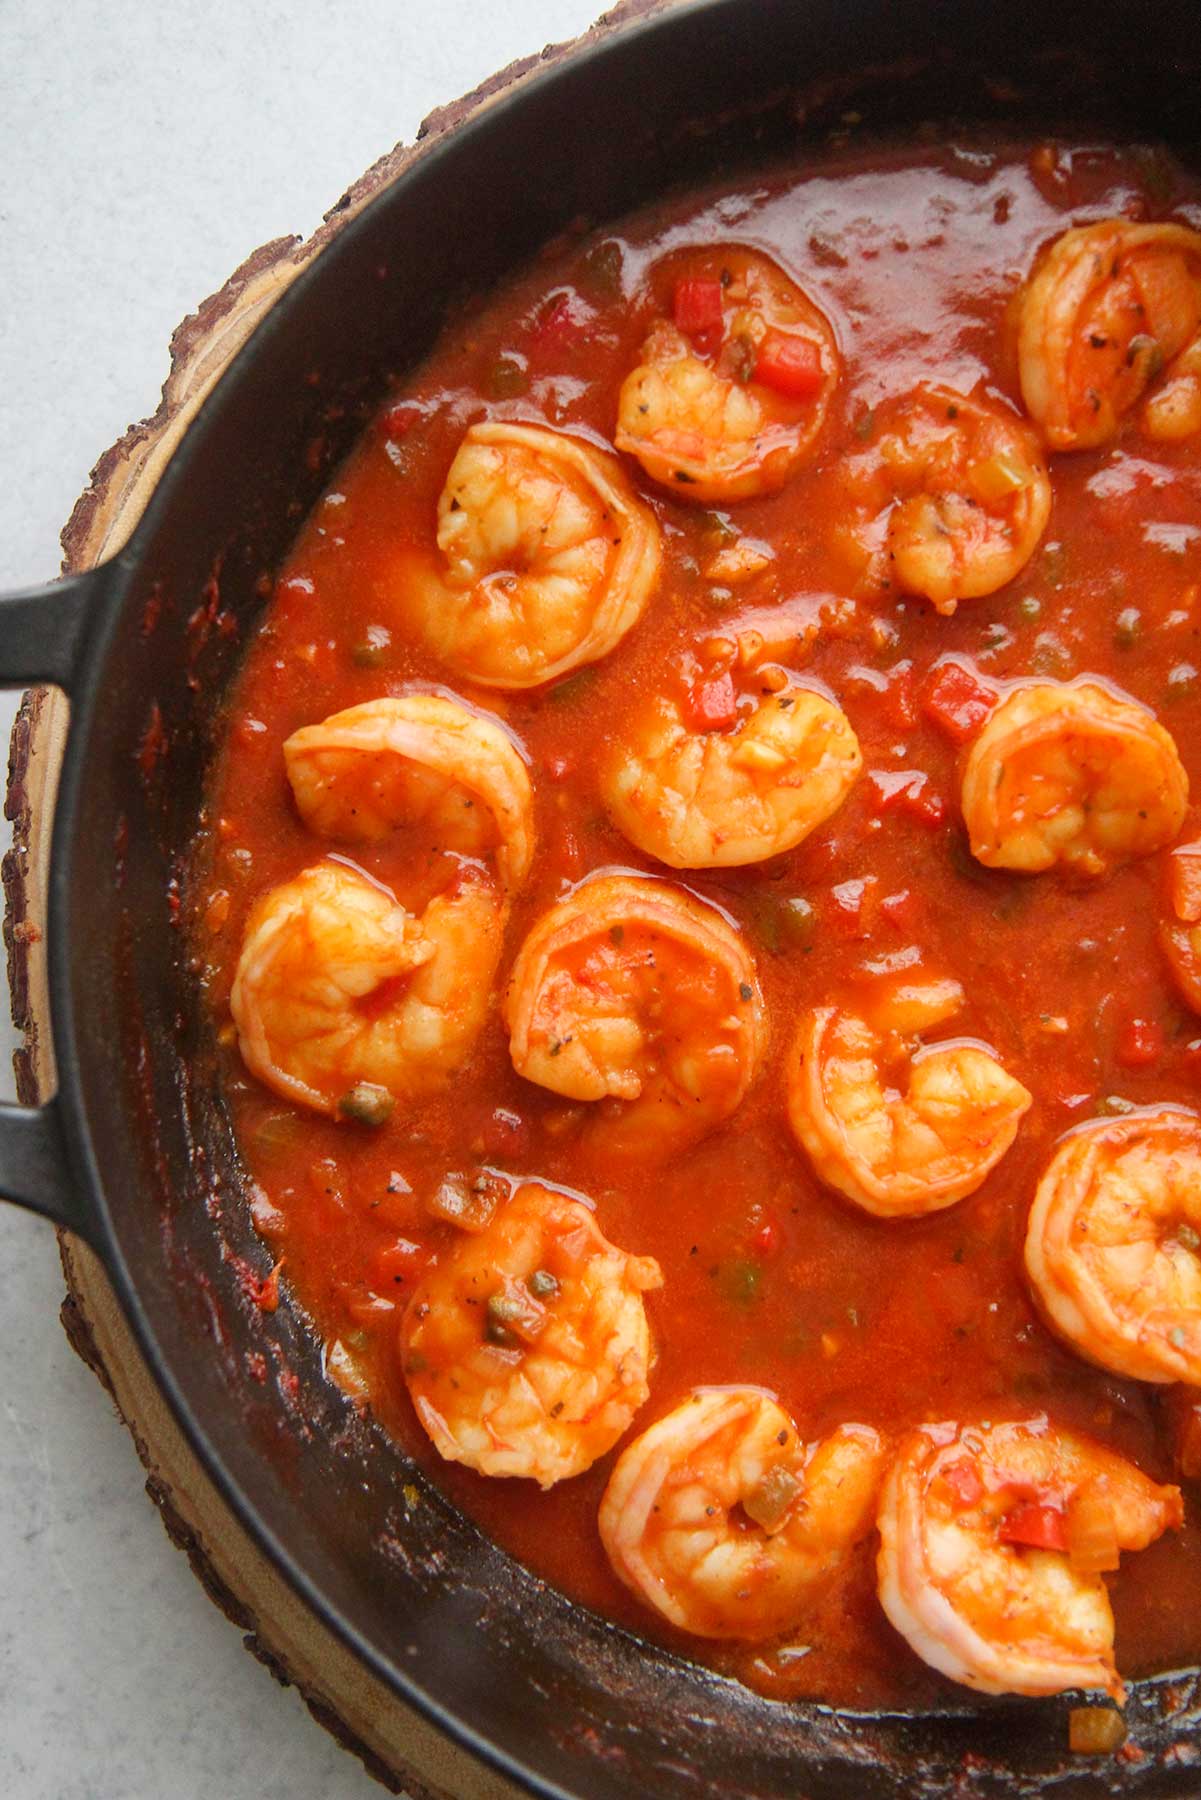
41,630
41,636
33,1168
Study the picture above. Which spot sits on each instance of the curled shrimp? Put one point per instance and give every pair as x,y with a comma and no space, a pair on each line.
725,1521
1108,306
1067,773
727,399
704,799
338,986
527,1349
1172,410
634,992
549,559
959,494
993,1540
1113,1242
422,759
898,1154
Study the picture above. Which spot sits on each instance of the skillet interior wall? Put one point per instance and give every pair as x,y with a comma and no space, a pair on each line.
717,85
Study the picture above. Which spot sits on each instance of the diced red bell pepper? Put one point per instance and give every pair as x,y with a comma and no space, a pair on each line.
697,308
1037,1527
902,909
1184,867
402,1260
963,1479
504,1133
901,701
1140,1043
791,365
396,421
853,906
908,790
713,705
766,1241
956,701
556,326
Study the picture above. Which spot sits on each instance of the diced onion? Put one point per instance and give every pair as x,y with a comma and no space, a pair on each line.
999,477
770,1500
1092,1528
1095,1730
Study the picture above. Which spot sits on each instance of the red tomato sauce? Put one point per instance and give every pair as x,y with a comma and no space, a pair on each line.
769,1278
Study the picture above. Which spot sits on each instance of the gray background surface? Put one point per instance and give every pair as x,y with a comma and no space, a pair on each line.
146,150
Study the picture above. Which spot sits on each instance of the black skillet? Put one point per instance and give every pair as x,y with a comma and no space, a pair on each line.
136,1141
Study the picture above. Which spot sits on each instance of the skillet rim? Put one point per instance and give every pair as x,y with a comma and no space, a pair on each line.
86,698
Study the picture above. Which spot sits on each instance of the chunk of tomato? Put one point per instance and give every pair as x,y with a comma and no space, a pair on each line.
713,705
697,308
791,365
956,701
963,1479
1036,1527
910,791
1140,1043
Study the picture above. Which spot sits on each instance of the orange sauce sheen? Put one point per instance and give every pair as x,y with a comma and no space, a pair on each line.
915,257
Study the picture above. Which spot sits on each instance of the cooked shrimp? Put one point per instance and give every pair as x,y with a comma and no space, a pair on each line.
1113,1246
549,558
958,492
724,1521
338,986
634,992
1180,935
900,1154
1172,410
706,799
993,1539
423,759
727,399
1107,307
1066,773
526,1350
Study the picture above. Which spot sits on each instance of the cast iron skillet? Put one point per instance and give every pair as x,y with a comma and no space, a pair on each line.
135,1152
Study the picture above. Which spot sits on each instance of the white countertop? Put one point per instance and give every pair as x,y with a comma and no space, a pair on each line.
146,150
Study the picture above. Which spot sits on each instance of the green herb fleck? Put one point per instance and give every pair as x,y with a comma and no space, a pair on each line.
1182,682
1127,628
1051,656
507,378
798,921
573,686
741,1281
373,649
367,1104
601,269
